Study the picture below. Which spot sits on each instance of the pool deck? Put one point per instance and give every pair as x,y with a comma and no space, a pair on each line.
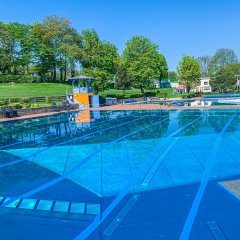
232,186
33,116
159,107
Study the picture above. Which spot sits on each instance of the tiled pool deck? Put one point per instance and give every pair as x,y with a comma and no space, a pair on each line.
159,107
126,107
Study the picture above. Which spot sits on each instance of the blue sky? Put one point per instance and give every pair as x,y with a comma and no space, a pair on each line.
190,27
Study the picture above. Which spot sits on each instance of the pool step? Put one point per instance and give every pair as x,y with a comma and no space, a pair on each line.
53,206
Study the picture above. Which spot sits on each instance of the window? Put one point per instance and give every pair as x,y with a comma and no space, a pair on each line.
205,83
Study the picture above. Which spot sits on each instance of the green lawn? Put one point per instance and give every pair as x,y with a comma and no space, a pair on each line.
120,92
33,90
21,90
169,92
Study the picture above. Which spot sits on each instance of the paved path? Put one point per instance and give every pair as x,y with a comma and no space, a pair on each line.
158,107
32,116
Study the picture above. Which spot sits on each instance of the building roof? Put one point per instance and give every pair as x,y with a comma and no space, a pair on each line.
181,86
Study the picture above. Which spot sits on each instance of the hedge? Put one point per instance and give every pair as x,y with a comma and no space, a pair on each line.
136,95
190,95
16,78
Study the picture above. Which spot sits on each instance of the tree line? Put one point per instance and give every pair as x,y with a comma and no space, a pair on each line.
222,68
55,50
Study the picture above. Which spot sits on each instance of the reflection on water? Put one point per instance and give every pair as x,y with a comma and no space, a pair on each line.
186,117
217,120
62,127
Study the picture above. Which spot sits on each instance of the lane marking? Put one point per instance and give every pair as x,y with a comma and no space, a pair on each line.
101,217
206,174
121,215
157,163
71,140
75,167
216,231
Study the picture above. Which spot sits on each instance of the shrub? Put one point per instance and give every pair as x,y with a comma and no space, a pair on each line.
187,95
115,95
161,94
17,105
149,94
190,95
3,102
137,95
16,78
211,93
15,100
25,100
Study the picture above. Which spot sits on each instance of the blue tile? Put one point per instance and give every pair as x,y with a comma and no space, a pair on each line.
13,204
45,205
77,208
93,208
61,206
28,203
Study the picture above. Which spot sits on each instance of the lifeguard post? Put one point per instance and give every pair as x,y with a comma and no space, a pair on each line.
82,93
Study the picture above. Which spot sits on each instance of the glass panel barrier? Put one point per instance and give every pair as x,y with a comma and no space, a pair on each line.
157,178
216,210
138,177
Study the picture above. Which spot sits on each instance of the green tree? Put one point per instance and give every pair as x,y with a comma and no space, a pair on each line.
189,72
204,62
172,75
162,68
122,80
90,49
56,45
225,78
144,62
22,35
7,49
98,59
221,59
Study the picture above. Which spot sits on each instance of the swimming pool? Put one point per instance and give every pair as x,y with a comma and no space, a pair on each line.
121,175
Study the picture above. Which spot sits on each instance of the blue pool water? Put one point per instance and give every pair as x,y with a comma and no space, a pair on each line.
230,101
123,175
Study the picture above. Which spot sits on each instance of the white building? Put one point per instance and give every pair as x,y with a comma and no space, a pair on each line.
238,82
204,85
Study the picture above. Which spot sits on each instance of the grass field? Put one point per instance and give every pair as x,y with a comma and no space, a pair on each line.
169,92
33,90
57,89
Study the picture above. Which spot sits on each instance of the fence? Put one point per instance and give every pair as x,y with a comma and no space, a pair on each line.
36,99
156,104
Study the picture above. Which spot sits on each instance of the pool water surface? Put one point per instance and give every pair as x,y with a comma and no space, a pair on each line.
121,175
